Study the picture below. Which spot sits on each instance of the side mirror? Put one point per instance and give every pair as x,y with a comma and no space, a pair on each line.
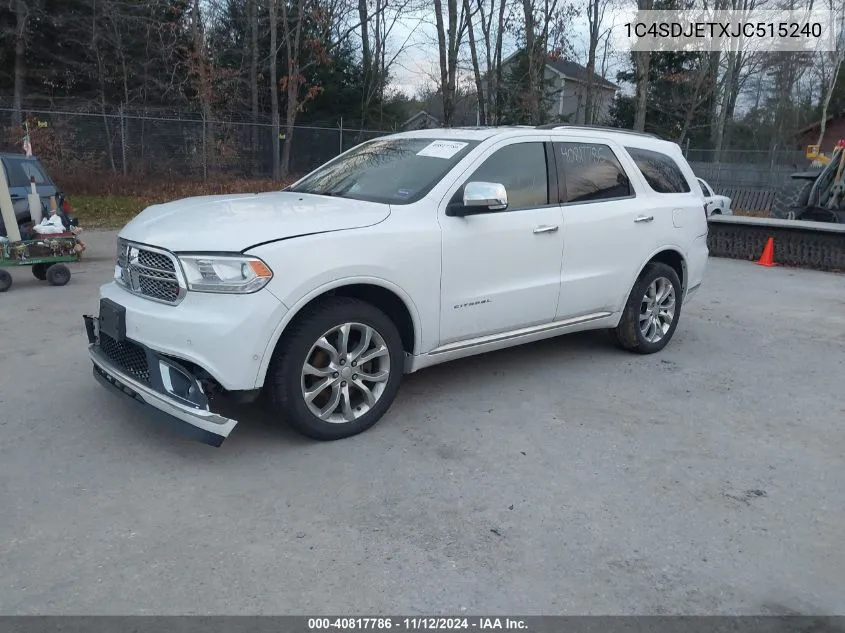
480,197
490,196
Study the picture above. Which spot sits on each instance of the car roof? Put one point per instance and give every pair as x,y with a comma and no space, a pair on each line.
457,133
624,136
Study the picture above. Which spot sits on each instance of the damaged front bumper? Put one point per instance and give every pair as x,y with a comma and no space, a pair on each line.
165,389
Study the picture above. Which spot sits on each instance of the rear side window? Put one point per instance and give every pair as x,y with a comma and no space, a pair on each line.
20,170
661,172
704,188
590,172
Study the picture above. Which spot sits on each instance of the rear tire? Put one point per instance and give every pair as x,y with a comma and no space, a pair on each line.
791,199
58,275
5,280
317,379
652,311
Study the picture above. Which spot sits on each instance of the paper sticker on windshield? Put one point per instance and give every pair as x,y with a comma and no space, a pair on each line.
442,149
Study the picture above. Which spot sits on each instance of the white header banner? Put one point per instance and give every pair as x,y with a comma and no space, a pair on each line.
703,30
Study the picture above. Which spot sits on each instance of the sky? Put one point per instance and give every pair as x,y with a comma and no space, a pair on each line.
418,64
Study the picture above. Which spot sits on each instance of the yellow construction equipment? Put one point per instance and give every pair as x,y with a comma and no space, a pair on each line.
817,157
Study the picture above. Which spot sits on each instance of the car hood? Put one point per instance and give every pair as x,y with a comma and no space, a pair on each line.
236,222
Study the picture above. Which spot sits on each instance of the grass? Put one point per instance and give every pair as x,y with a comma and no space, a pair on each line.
107,212
116,203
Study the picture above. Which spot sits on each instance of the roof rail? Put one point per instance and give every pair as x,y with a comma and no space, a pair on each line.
563,126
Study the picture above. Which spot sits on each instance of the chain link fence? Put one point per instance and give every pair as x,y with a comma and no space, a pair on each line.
746,169
76,144
85,146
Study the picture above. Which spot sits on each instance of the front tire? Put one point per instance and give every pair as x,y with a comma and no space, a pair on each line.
337,369
652,311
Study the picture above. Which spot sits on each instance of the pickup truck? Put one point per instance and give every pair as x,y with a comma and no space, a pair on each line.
19,169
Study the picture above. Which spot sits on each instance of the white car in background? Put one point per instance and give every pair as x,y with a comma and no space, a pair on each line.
715,205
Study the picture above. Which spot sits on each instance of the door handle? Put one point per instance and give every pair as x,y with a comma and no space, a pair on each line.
644,218
546,228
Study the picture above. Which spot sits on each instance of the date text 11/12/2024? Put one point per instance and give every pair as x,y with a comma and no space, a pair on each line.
416,624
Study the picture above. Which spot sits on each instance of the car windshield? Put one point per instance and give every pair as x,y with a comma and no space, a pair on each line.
388,170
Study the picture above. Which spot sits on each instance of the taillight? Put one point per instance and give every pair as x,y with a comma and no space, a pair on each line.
66,206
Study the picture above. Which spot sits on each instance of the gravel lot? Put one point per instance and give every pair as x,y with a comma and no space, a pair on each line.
564,477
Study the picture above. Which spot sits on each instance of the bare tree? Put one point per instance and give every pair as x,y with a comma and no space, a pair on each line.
827,96
704,84
726,99
533,61
202,80
252,17
328,21
785,69
642,61
539,16
370,67
378,52
101,81
448,46
274,90
607,50
729,84
836,60
476,69
491,19
21,17
366,55
595,18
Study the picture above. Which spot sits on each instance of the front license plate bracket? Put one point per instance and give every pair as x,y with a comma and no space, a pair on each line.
112,320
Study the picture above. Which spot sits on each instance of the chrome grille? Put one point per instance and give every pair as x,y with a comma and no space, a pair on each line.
147,272
158,261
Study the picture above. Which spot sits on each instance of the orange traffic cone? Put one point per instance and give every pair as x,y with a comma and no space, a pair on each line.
768,256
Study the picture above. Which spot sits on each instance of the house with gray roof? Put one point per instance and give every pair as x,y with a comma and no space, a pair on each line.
568,82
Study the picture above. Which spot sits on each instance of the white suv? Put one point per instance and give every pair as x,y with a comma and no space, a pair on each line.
403,252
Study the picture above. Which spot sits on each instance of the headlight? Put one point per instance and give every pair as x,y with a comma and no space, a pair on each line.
225,273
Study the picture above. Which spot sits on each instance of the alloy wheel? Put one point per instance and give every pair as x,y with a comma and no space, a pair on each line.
657,310
345,373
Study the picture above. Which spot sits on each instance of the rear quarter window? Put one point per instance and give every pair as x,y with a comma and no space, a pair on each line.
660,171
